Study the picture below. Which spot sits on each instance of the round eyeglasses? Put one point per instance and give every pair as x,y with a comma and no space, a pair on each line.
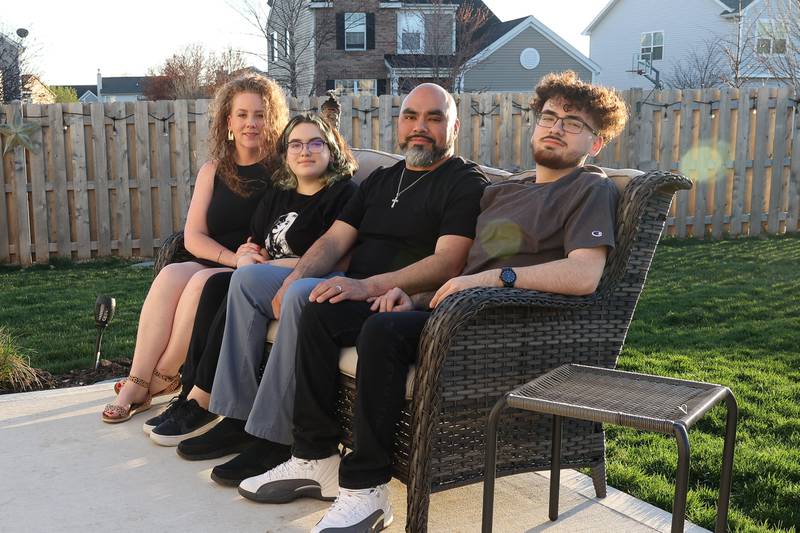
315,146
570,124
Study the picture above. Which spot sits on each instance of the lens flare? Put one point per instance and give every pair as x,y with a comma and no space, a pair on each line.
704,162
501,238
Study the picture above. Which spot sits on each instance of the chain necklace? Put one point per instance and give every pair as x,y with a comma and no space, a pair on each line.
400,183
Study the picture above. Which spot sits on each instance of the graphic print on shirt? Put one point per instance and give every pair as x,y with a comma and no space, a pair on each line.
276,243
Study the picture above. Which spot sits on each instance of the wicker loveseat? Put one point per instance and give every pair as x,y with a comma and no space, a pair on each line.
480,343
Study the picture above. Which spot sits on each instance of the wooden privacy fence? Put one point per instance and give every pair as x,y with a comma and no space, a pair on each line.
116,178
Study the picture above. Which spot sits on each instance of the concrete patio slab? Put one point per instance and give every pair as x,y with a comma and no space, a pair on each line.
62,469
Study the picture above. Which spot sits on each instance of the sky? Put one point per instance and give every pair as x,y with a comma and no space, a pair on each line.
69,45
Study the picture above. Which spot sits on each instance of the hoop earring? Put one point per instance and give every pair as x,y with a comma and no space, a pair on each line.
230,135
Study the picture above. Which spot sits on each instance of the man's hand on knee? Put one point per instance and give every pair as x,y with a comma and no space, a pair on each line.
339,289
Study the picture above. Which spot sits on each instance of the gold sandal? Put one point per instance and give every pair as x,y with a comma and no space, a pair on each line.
114,414
173,384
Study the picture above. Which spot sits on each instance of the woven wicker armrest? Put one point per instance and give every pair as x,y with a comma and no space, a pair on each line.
172,250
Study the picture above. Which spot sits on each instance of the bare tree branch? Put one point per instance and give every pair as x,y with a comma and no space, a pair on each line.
284,25
192,73
17,58
779,41
703,67
449,56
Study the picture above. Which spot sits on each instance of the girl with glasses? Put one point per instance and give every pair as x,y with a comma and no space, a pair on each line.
310,187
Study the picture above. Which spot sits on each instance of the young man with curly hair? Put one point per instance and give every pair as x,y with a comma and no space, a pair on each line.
547,230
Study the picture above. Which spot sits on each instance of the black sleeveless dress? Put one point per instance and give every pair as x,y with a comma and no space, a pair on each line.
228,216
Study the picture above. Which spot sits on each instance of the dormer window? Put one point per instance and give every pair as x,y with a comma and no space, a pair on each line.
770,37
355,31
410,33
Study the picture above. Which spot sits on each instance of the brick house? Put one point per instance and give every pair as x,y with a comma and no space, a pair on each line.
363,46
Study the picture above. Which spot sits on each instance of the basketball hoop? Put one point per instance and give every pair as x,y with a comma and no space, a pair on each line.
643,66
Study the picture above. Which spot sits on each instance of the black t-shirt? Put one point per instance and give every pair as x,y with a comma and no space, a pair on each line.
287,223
444,202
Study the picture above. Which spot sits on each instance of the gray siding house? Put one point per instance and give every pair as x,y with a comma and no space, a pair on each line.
519,55
293,43
112,89
671,33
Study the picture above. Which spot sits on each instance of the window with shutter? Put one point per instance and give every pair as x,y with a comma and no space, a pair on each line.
355,31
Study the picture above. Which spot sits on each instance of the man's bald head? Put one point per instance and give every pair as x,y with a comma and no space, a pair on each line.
427,126
432,92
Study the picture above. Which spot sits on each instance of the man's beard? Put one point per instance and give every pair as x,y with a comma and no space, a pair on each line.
556,162
549,159
420,156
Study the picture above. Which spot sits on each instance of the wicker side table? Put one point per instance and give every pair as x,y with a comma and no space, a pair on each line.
639,401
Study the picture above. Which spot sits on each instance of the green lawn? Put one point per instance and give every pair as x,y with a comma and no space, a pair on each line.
50,310
725,312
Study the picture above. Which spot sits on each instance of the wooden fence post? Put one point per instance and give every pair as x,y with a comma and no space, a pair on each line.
101,179
5,228
142,139
39,193
20,183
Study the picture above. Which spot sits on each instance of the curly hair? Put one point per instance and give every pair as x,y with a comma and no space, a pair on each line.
604,105
222,150
342,164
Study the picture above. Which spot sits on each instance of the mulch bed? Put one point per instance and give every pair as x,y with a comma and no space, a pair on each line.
75,378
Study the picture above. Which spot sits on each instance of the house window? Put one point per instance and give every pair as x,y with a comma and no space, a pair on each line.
274,46
410,33
770,37
652,48
355,31
357,87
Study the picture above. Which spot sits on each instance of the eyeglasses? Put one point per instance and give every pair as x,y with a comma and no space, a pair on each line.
315,146
571,125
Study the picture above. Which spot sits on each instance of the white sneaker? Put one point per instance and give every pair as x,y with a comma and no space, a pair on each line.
358,511
295,478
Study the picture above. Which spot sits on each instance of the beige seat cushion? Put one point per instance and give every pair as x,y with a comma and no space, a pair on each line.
348,360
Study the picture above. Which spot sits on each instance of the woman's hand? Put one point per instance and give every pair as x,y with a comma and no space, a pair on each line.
249,259
394,300
247,248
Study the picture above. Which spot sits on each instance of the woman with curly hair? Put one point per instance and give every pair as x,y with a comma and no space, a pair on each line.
311,186
249,114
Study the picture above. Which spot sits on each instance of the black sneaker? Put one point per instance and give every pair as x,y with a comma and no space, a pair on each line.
225,438
187,420
148,426
259,456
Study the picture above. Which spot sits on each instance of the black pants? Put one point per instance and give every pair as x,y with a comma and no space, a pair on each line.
387,345
209,325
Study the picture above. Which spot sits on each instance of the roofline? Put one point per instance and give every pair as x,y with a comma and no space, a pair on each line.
603,12
532,22
754,2
588,30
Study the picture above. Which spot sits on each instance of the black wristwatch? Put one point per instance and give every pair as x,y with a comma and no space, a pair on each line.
508,277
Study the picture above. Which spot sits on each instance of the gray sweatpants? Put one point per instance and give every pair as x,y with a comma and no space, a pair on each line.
268,406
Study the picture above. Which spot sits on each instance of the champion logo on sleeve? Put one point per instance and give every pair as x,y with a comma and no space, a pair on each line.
597,233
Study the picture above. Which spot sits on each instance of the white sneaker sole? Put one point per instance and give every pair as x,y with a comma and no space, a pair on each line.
174,440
